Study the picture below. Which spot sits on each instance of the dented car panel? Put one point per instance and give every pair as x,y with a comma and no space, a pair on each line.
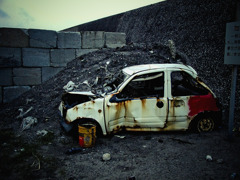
154,97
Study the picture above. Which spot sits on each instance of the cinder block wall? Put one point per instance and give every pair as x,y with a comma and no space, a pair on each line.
28,57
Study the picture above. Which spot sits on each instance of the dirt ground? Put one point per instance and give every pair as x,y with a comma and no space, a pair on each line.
139,155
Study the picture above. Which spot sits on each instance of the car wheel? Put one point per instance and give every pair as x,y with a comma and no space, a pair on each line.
205,124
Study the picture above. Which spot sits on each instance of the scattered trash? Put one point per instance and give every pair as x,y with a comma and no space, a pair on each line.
106,157
220,161
87,135
23,113
73,150
151,51
70,86
86,82
209,158
121,137
29,100
28,122
42,132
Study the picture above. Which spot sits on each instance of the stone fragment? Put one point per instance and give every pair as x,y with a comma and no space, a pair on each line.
106,157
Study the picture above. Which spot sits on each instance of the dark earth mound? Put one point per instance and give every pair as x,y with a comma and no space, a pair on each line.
198,30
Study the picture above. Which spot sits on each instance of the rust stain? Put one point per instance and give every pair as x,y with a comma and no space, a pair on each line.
93,102
75,108
99,111
143,103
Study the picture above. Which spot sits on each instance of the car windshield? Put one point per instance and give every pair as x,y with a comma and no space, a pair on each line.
117,82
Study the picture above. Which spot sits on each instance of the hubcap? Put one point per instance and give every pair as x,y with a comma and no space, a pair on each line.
205,124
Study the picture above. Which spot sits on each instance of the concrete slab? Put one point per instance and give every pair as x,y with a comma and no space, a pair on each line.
92,39
13,37
35,57
13,92
6,77
115,39
69,40
27,76
42,38
10,57
49,72
60,57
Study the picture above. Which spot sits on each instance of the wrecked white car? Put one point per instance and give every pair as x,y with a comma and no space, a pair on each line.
153,97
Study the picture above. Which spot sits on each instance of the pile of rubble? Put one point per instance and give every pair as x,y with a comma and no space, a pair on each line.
92,72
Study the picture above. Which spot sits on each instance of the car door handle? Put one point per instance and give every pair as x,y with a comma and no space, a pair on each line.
178,103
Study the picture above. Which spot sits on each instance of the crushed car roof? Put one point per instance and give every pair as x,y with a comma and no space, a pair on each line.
145,67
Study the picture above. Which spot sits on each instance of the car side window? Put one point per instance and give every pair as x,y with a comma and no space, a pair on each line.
147,85
185,85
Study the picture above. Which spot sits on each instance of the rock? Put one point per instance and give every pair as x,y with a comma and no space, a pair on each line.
106,157
42,132
209,158
28,122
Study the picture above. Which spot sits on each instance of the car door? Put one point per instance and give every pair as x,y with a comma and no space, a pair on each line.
141,104
183,87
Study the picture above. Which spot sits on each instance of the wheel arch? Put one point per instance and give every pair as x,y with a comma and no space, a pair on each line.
212,114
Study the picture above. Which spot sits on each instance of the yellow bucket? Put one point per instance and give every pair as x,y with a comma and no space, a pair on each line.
87,135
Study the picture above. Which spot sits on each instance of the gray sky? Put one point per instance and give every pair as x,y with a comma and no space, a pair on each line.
61,14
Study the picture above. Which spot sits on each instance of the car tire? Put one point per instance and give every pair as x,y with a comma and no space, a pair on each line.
203,123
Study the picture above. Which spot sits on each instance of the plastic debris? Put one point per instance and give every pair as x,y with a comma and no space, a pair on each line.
209,158
121,137
42,132
106,157
70,86
22,114
73,150
28,122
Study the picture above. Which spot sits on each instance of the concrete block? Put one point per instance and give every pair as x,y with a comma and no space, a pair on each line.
60,57
49,72
115,39
26,76
42,38
1,95
92,39
5,77
10,57
80,52
12,37
69,40
34,57
13,92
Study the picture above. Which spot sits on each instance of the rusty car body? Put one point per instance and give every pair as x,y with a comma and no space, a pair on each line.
151,97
